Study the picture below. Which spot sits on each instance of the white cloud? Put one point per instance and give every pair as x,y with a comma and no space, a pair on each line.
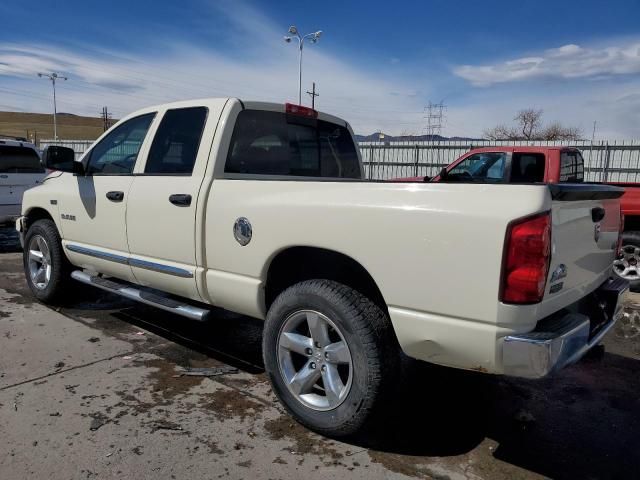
261,67
567,62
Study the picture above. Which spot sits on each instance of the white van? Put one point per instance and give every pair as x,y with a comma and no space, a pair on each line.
20,169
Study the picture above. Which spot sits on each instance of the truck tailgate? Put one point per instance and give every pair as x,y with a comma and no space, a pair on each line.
585,228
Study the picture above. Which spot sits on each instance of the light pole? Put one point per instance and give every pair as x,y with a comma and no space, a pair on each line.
53,76
313,37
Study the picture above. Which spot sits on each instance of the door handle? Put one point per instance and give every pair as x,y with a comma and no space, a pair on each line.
4,176
115,196
180,199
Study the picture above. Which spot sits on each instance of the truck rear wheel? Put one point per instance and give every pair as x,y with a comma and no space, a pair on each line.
330,354
45,265
627,265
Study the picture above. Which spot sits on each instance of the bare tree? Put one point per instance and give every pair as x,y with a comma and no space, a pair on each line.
529,127
500,132
556,131
529,121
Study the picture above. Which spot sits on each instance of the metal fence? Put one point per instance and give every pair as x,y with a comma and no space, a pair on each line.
615,161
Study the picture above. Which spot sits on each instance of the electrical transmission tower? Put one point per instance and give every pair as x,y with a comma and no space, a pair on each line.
434,116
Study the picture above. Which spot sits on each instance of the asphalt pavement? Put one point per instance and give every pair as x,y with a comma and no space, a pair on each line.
106,388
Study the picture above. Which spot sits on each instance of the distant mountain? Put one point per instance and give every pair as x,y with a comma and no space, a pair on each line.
375,137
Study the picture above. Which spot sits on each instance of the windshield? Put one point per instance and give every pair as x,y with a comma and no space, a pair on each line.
14,159
479,167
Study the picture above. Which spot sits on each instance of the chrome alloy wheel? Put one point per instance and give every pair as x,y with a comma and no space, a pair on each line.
39,262
627,265
314,360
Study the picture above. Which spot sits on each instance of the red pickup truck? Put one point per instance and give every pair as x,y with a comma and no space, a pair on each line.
549,165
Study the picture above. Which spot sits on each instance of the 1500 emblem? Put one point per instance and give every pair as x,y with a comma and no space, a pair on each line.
66,216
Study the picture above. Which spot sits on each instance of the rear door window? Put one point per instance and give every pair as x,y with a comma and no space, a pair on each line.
527,167
571,167
15,159
272,143
175,146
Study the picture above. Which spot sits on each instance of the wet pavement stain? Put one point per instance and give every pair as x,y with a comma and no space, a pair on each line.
404,466
229,403
303,441
165,380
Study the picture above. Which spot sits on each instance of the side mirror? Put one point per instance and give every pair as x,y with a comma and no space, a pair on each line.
62,159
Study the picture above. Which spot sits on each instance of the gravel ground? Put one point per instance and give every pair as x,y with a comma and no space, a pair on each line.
94,389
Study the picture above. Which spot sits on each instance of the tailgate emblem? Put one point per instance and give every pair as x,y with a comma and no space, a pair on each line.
596,232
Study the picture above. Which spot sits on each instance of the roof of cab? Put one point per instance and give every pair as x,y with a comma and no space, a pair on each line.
246,104
521,148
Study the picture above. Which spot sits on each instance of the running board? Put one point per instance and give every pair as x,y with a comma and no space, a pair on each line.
133,292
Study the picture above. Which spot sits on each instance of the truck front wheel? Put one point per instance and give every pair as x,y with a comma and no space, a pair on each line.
45,265
330,354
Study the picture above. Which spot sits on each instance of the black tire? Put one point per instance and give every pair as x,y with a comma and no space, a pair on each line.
632,238
59,280
374,350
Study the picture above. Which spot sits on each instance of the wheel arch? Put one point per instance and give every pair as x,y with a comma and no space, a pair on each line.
299,263
38,213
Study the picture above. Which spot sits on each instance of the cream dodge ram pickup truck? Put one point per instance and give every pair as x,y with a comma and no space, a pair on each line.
262,209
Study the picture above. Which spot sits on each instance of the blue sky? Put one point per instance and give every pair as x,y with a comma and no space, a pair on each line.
377,64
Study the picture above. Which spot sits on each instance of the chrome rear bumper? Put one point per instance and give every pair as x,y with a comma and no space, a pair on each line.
563,339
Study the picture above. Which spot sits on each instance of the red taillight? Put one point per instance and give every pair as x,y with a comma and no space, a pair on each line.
294,109
526,262
620,230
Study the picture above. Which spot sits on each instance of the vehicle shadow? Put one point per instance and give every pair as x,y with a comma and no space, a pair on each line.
9,239
581,423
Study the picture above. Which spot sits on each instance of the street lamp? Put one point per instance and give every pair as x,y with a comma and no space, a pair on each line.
313,38
53,76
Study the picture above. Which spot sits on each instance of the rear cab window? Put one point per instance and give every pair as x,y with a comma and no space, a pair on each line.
274,143
15,159
571,167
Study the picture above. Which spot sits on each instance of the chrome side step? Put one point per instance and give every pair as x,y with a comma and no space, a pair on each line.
133,292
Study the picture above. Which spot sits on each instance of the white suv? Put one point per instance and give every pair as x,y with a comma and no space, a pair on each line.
20,169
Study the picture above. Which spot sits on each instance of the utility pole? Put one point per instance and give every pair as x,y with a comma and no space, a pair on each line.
53,76
313,96
106,119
